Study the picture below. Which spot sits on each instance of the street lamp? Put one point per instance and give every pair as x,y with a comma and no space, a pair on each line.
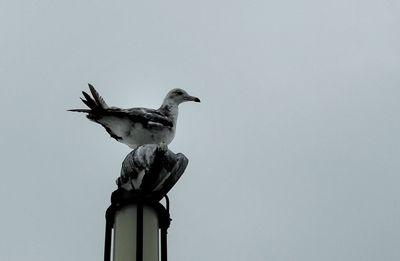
136,221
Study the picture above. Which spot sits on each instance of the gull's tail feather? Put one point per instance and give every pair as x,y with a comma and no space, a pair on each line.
81,110
96,104
99,100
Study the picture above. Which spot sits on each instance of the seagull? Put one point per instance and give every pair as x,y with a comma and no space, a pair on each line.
137,126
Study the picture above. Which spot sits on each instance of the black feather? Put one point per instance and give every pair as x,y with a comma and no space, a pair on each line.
87,103
81,110
99,100
90,102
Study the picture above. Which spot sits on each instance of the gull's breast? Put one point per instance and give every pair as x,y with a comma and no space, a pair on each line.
139,135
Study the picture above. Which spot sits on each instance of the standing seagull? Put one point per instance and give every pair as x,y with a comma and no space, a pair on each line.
137,126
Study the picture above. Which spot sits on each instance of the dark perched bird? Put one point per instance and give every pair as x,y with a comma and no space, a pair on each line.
137,126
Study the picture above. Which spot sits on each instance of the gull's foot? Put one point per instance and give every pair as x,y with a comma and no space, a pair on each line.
163,146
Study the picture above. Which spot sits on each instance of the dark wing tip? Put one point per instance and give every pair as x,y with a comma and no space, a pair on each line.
80,110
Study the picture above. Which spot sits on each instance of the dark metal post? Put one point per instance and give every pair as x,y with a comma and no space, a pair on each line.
119,201
107,242
108,233
164,253
139,233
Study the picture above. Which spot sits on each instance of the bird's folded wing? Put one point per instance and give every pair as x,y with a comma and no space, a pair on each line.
141,115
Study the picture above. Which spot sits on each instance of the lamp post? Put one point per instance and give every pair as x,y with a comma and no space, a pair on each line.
136,221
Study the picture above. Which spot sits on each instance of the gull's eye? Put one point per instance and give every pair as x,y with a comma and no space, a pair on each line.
178,92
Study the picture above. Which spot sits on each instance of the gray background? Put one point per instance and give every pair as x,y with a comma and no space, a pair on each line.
293,150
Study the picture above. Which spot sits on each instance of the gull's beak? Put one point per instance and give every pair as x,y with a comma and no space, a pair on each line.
192,98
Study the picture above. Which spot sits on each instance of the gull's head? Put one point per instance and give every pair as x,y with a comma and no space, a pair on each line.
177,96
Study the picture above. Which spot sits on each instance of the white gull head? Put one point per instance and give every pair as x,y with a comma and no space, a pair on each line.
177,96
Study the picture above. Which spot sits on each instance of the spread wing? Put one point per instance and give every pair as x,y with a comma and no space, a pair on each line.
120,122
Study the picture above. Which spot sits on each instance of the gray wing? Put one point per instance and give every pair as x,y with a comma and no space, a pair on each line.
114,119
144,116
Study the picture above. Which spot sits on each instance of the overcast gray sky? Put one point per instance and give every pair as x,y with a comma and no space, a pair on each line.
294,150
